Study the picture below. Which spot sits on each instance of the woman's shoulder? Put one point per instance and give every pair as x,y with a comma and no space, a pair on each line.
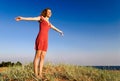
41,18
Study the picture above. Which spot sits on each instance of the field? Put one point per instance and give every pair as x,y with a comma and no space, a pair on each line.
58,72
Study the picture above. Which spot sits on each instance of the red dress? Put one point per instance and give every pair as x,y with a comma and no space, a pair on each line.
41,42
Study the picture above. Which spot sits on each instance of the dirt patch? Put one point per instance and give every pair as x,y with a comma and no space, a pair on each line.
2,69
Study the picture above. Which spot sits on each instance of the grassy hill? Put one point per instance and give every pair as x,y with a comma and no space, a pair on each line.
59,72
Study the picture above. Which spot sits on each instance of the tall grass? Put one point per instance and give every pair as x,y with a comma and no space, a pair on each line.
59,72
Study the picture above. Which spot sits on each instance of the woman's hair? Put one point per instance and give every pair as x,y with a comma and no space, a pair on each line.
44,12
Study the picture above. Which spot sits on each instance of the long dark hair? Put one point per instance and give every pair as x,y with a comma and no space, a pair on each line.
44,12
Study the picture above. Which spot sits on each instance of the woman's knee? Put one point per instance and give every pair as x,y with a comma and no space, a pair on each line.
43,54
38,53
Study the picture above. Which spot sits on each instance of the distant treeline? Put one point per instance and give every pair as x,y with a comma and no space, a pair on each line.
108,67
6,64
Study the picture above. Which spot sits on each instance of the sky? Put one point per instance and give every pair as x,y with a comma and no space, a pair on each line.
91,31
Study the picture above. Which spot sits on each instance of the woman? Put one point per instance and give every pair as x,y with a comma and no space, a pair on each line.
41,43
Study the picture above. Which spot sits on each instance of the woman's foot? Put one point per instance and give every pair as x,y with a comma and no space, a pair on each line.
36,77
40,75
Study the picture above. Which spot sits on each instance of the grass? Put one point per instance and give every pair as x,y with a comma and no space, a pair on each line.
59,72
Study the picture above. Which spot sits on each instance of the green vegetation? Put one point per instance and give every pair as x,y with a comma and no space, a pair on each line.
6,64
59,72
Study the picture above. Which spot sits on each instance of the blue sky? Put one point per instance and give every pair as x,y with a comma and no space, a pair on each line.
91,31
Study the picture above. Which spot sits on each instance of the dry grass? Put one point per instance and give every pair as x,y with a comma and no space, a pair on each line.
59,72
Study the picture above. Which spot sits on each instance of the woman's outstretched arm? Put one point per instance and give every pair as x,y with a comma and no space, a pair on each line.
27,18
56,29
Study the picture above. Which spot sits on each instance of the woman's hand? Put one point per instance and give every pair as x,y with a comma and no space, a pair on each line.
61,33
18,18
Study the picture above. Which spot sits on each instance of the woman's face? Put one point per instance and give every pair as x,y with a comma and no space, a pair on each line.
49,13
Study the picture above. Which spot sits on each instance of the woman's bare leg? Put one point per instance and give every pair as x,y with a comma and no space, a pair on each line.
36,61
42,57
